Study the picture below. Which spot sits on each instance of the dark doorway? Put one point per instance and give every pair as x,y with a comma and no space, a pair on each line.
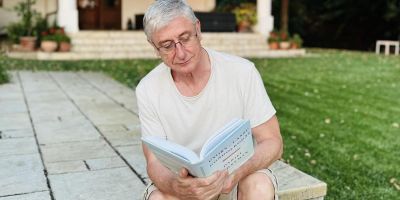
99,14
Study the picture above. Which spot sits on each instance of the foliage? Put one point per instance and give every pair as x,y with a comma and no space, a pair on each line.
15,31
342,23
297,40
56,34
246,12
3,75
30,23
274,37
127,71
338,113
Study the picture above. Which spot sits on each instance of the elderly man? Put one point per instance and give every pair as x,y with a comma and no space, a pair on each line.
190,95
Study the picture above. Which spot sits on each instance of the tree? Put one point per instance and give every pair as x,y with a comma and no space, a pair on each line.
284,15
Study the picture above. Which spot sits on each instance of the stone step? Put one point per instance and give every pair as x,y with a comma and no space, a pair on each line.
145,55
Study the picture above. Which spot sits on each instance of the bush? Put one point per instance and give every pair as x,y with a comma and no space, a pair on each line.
29,21
3,75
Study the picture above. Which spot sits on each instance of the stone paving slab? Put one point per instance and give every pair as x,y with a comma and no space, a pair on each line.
66,167
18,146
120,93
18,133
21,174
30,196
110,184
66,131
134,155
15,121
12,106
76,151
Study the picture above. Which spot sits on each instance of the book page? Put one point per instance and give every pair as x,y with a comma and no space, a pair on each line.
161,145
219,136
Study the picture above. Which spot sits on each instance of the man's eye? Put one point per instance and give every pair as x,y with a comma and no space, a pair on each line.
185,38
167,46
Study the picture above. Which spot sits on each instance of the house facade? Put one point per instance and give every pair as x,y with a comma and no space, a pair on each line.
76,15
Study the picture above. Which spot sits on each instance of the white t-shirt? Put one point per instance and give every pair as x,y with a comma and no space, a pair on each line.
234,90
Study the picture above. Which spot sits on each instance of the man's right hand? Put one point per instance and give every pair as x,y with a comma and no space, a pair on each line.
188,187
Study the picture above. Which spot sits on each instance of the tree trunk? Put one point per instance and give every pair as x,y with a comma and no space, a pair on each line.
284,15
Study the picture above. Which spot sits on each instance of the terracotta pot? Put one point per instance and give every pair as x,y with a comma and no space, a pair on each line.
294,45
244,26
65,47
48,46
273,45
27,43
284,45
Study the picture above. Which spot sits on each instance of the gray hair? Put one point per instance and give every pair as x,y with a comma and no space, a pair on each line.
161,12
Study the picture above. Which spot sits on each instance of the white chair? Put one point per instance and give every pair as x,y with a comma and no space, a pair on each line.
387,44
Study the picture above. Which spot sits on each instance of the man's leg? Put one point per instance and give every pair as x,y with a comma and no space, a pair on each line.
152,193
157,195
259,185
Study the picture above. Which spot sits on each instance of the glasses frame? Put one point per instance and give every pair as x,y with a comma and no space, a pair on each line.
174,43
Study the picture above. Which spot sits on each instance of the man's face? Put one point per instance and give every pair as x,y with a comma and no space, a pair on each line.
178,44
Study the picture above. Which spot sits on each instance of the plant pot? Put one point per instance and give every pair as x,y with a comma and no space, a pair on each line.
244,26
295,46
65,47
284,45
273,45
27,43
48,46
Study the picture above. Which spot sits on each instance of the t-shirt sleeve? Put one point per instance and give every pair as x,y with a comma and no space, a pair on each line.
149,122
258,106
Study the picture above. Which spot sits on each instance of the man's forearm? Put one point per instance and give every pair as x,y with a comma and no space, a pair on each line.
161,176
266,152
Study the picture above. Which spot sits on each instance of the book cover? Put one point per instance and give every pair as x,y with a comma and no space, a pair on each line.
228,148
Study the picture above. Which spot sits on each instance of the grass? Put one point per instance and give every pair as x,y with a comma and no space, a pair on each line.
339,113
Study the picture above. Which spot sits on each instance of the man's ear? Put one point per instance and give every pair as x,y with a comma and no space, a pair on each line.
198,29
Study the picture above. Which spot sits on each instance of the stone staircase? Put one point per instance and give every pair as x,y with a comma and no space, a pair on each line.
133,44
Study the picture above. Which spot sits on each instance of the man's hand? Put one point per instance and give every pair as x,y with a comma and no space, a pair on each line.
188,187
229,183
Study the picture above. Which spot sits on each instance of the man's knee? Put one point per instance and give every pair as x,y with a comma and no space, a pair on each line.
158,195
256,185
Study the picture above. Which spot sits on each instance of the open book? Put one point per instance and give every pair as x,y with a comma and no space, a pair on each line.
228,148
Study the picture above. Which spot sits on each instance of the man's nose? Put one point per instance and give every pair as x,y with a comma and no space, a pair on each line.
180,50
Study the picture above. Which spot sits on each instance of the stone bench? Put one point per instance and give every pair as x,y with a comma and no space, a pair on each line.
294,184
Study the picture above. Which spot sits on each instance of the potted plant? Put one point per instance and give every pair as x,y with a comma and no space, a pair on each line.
64,42
246,16
284,40
48,43
296,41
273,40
24,30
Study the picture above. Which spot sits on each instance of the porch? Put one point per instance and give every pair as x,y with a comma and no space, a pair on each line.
133,45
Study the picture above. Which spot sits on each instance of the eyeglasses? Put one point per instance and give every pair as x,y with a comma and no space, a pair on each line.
169,46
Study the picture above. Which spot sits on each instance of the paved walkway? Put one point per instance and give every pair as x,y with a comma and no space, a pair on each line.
69,136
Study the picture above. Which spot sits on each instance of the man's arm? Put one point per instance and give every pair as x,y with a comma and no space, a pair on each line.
269,148
182,185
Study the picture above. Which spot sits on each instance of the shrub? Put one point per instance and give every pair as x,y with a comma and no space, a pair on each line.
3,75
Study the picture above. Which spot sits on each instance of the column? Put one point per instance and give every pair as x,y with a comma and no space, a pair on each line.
265,20
67,15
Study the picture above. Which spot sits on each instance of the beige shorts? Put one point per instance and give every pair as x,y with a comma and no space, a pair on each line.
231,196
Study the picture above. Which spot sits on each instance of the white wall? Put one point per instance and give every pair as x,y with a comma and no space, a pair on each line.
132,7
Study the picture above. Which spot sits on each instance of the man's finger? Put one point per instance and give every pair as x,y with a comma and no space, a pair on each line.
183,172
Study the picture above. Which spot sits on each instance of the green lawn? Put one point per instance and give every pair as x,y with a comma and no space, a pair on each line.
339,113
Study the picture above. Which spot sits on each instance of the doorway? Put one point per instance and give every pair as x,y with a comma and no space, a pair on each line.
99,14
